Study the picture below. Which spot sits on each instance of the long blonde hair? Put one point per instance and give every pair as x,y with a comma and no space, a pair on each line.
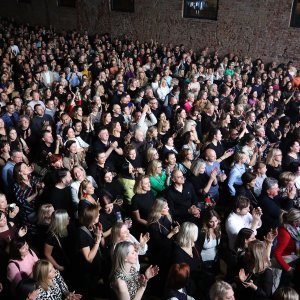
41,273
259,255
187,235
59,222
155,213
270,157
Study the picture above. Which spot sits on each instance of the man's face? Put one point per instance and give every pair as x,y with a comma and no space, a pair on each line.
243,211
178,178
273,191
103,135
17,157
78,127
39,110
48,138
10,109
211,156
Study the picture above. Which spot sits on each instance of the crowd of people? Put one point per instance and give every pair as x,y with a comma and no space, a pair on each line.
136,169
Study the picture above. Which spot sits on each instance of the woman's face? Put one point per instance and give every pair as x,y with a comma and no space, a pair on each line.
118,127
213,222
165,210
109,208
79,111
73,148
170,142
228,119
25,170
24,250
132,256
190,155
51,273
89,189
12,135
155,155
295,147
278,157
124,233
108,118
132,154
3,203
202,169
71,133
218,136
276,124
251,238
146,186
79,174
6,148
182,114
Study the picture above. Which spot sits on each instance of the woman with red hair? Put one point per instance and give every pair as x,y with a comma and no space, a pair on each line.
177,282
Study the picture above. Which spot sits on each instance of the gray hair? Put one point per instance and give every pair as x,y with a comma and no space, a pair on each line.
120,253
196,164
268,183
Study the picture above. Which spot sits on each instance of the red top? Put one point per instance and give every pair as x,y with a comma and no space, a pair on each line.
286,245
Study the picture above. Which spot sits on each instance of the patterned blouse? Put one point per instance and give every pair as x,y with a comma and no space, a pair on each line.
57,291
131,279
27,208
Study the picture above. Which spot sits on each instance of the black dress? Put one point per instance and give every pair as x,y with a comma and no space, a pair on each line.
88,272
180,256
141,203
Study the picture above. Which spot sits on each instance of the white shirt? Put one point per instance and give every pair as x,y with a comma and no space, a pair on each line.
234,224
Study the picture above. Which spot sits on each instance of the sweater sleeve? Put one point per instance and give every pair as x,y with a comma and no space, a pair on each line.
283,240
13,273
264,289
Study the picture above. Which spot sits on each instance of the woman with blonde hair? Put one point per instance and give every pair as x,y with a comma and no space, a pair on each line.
57,247
185,251
163,127
152,154
126,281
161,231
78,174
199,179
257,276
159,178
51,284
163,90
120,233
274,163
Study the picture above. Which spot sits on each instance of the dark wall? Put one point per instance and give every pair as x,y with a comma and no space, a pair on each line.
253,27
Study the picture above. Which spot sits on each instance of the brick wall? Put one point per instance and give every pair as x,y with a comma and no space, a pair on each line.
259,28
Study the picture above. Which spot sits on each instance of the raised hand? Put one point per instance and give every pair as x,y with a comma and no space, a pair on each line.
151,272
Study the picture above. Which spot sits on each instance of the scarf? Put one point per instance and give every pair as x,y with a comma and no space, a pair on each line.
293,231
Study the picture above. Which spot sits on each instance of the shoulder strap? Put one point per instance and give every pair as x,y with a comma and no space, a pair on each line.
14,262
86,231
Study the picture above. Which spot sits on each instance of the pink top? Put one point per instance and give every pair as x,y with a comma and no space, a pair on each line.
14,274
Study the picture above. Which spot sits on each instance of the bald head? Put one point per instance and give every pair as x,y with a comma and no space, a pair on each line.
210,155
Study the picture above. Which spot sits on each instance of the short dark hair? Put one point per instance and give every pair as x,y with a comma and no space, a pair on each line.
241,202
